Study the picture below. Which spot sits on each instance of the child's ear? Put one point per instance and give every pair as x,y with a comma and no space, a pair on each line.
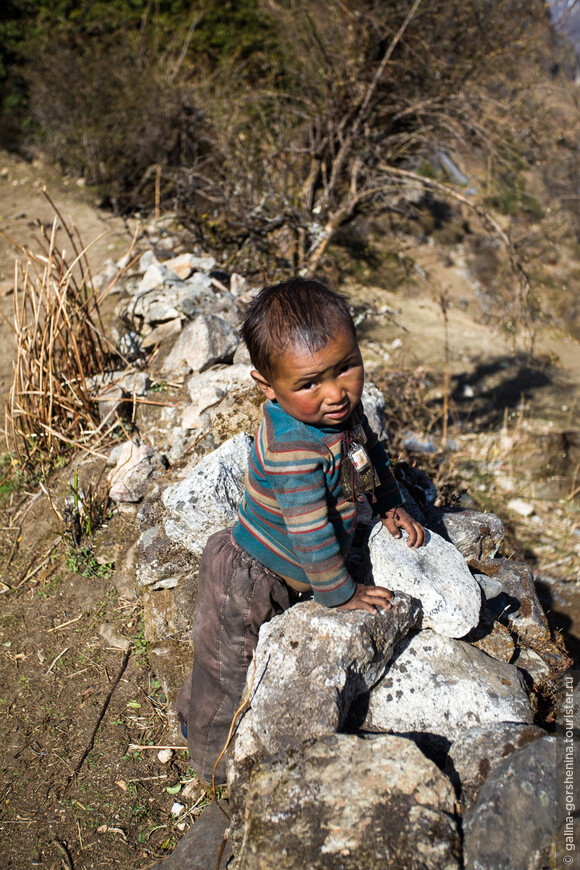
263,384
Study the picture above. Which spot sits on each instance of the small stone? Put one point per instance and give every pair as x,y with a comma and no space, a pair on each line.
192,790
177,809
165,755
113,637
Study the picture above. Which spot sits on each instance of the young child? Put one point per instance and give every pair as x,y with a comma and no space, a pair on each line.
313,458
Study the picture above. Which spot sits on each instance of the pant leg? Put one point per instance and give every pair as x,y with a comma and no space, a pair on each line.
236,595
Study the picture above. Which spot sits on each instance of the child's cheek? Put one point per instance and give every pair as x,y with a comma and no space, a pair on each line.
306,405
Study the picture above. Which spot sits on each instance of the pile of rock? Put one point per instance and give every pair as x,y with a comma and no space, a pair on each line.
401,739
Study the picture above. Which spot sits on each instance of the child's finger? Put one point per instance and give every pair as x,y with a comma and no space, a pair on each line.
416,535
392,527
378,596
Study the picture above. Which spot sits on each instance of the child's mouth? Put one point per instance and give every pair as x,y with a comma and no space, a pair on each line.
339,413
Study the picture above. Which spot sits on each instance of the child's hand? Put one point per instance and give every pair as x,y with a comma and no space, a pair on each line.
371,598
397,519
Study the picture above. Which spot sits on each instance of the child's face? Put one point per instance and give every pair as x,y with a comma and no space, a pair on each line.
320,388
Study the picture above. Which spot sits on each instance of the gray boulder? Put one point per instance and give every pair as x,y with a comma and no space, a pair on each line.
436,574
437,687
477,752
199,848
515,818
312,661
351,803
207,499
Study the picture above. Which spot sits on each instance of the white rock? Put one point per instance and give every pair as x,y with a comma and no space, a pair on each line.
113,636
207,499
242,355
165,755
155,276
161,312
147,259
129,480
203,264
436,574
440,687
207,397
177,809
227,377
238,284
521,507
182,266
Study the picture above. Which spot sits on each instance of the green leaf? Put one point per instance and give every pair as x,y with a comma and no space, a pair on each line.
173,789
134,704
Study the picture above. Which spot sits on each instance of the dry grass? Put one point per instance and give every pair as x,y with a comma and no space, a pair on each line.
60,343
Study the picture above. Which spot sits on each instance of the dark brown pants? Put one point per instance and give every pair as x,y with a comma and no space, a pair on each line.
236,595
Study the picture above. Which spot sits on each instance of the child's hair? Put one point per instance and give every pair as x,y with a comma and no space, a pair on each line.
298,311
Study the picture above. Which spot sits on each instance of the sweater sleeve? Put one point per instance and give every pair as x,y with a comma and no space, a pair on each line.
388,494
301,493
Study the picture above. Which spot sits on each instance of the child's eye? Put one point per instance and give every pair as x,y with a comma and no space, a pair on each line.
309,386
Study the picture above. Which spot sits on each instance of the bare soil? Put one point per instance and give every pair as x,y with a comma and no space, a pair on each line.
75,792
58,674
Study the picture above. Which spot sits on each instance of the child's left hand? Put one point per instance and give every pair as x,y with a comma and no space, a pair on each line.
396,519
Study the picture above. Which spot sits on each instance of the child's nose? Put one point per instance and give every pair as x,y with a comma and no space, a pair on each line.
334,394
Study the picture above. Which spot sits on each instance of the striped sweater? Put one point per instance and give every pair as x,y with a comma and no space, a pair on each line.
294,517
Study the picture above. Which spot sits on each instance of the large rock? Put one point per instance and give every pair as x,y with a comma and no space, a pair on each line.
161,562
312,661
518,605
437,687
208,388
476,535
207,499
131,477
351,803
515,818
477,752
436,574
205,341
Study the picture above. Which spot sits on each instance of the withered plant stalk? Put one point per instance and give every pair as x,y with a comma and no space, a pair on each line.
60,345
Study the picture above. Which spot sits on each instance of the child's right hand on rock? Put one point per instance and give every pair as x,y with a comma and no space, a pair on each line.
370,598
